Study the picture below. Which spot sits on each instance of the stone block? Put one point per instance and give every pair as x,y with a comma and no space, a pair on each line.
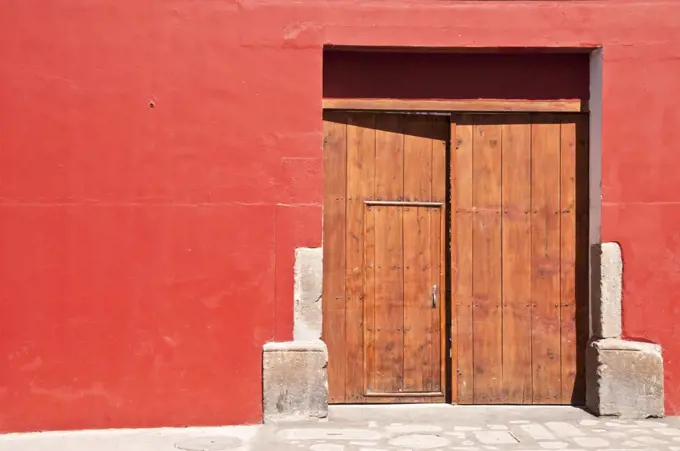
624,379
307,293
295,383
607,313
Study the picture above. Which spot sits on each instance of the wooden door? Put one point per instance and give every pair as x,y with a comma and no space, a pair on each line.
383,238
519,260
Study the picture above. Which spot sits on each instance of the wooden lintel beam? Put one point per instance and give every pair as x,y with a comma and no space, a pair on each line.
473,105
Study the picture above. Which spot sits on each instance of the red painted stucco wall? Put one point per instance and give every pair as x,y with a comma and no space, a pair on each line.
146,253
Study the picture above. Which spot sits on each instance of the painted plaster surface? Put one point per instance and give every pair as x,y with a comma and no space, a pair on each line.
160,162
392,428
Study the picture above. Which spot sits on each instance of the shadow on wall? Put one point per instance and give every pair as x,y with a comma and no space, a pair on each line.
411,75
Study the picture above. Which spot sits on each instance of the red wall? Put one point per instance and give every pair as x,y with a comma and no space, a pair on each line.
146,253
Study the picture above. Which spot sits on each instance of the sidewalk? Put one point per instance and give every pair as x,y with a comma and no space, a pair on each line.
396,428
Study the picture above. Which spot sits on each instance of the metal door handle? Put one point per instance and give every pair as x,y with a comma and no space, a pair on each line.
434,296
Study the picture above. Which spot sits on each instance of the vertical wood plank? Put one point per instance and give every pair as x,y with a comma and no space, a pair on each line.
582,259
451,258
389,307
516,229
435,222
567,259
461,262
360,176
369,300
486,265
334,164
418,362
440,138
545,239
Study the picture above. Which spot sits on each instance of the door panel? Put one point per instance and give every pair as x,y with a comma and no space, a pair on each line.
519,258
395,196
404,313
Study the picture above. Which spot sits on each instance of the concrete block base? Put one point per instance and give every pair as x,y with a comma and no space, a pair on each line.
625,379
295,383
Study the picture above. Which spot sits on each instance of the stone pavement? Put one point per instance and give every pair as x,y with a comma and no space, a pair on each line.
393,428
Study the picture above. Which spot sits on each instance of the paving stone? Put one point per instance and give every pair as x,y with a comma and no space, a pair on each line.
648,440
327,447
639,431
419,441
620,425
460,435
616,434
667,431
620,449
495,437
537,432
209,444
591,442
324,434
412,428
589,422
553,445
564,429
651,424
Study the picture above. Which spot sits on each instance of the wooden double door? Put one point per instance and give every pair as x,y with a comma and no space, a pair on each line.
455,257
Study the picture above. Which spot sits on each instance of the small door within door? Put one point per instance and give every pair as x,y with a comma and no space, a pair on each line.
384,239
402,304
